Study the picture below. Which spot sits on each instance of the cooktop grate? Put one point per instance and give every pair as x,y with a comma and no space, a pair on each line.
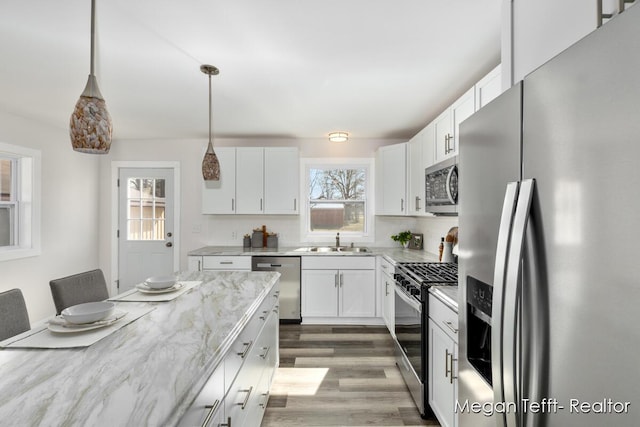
431,272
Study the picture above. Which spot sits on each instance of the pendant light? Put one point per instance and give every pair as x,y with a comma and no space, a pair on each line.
90,126
210,164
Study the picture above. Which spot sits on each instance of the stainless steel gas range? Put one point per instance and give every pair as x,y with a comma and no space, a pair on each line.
411,319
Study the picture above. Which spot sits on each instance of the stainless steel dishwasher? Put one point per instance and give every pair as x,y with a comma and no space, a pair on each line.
289,269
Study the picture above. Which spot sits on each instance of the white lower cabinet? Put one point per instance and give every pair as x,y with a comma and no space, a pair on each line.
443,362
386,272
339,288
236,394
219,262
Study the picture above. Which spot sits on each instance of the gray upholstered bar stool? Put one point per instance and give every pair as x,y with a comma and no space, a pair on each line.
14,318
89,286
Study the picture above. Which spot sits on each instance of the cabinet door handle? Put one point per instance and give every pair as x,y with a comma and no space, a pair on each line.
401,205
295,204
341,279
233,207
261,204
276,308
246,399
335,280
417,203
264,315
227,424
199,265
247,346
212,409
449,365
386,287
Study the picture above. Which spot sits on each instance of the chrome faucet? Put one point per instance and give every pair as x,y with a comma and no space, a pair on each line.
337,240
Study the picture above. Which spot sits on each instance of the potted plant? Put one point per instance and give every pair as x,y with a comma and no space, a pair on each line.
403,238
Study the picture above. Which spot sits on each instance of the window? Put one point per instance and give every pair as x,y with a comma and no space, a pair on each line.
146,208
19,202
337,199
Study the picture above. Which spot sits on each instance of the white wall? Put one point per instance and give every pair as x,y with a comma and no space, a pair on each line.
69,213
204,230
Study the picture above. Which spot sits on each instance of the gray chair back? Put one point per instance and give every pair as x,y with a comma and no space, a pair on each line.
14,318
89,286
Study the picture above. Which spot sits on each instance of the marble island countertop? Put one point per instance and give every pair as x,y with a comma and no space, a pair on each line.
394,255
146,373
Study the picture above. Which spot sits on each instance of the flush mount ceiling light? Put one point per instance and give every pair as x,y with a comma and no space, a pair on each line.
338,136
90,125
210,164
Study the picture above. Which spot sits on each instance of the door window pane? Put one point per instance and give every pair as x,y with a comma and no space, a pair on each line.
7,202
145,209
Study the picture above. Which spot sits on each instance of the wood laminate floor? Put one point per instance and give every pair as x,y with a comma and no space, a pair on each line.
339,376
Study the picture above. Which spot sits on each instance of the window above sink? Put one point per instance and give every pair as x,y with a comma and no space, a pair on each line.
337,198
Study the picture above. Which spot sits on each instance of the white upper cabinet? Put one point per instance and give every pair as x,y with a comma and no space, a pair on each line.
391,184
489,87
421,156
218,197
254,180
281,174
249,180
448,123
443,135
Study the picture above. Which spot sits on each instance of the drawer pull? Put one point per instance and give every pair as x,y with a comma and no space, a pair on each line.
226,262
227,424
263,404
450,326
264,355
246,399
247,346
212,409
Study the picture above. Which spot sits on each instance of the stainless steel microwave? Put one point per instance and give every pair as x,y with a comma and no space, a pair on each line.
441,187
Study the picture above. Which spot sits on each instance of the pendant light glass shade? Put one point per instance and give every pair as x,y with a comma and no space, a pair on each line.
90,125
210,163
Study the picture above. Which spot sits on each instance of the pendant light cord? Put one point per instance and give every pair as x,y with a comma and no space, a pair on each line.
93,32
210,111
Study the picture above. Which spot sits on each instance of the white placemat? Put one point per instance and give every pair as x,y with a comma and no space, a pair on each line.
42,337
136,296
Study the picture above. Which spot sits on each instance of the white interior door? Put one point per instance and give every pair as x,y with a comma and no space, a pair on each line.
146,227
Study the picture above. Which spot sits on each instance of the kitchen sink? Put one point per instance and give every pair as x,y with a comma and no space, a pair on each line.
332,249
324,249
354,249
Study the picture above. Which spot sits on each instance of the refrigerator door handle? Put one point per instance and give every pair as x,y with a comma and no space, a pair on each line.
512,293
497,313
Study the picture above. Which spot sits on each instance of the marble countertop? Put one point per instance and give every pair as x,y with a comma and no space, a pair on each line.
392,254
146,373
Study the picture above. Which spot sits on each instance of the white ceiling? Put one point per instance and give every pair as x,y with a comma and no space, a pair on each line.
288,68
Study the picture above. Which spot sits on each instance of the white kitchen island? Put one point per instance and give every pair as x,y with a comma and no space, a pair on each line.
147,373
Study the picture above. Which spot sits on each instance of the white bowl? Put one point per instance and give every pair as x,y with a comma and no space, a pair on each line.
160,282
88,312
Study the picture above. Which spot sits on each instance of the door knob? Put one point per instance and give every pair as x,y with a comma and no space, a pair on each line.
168,244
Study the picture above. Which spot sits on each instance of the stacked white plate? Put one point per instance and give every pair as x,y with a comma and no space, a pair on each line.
160,282
88,312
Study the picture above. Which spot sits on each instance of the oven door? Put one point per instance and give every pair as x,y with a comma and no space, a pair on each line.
409,346
408,328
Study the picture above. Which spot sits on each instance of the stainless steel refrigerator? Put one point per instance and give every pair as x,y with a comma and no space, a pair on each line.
549,260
